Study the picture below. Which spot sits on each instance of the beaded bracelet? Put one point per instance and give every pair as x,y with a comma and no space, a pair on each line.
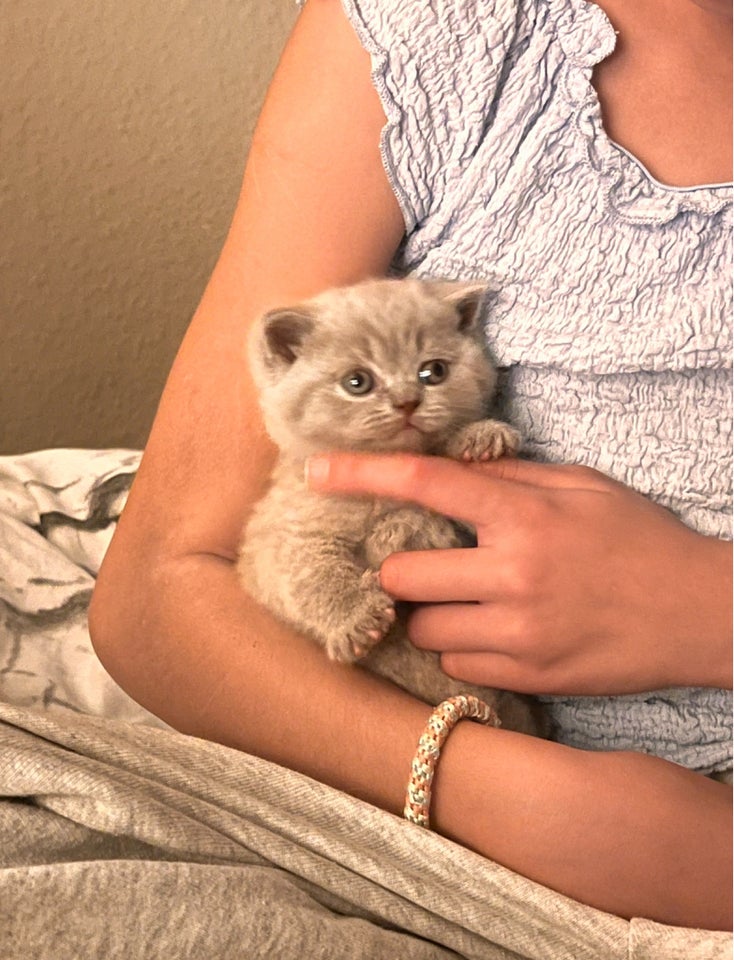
440,724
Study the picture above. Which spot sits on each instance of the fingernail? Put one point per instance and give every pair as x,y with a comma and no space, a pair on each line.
316,471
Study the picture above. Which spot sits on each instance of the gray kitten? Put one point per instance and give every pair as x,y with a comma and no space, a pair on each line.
385,365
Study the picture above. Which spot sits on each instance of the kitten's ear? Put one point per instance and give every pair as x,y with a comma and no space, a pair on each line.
467,300
283,333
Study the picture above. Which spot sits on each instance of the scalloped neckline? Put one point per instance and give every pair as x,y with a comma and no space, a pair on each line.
724,185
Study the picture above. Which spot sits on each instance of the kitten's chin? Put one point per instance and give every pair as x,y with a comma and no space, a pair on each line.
408,440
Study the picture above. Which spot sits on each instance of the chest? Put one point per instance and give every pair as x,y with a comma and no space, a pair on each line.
665,91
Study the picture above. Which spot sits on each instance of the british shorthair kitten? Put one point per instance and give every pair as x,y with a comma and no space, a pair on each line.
384,365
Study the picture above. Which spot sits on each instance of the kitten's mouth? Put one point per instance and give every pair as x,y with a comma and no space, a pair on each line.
408,427
406,437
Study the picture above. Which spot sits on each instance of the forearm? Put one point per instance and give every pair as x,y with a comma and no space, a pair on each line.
628,834
212,663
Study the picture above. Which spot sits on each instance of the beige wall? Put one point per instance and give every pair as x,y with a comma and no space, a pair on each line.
124,126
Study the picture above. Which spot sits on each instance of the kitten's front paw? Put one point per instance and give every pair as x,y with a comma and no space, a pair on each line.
370,616
484,440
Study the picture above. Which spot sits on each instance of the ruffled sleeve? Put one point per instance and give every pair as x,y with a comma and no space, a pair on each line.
437,66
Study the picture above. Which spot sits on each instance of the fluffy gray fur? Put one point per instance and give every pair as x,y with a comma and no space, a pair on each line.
312,558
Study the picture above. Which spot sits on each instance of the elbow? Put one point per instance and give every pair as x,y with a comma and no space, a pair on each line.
101,620
116,612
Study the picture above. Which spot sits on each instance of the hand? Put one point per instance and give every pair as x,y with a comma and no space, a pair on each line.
578,585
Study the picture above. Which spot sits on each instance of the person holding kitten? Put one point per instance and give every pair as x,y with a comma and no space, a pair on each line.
574,158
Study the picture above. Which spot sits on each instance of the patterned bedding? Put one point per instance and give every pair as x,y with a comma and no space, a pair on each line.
58,510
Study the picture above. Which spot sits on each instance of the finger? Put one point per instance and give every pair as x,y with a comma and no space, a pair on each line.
567,476
440,576
499,670
463,628
434,482
469,575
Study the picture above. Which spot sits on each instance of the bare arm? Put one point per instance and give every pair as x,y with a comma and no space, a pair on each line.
169,618
173,626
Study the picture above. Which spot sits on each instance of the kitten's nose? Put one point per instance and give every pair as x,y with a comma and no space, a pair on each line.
408,405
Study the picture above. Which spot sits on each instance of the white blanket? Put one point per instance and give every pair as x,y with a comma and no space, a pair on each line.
58,510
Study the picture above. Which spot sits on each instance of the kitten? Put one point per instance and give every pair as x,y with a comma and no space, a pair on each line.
384,365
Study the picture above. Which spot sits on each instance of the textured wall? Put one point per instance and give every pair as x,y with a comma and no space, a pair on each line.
123,133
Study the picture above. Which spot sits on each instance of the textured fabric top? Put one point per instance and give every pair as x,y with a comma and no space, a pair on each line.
611,317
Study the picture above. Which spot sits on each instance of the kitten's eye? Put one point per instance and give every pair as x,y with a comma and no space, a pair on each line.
433,371
358,382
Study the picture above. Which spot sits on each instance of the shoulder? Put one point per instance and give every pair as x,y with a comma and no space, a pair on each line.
438,67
